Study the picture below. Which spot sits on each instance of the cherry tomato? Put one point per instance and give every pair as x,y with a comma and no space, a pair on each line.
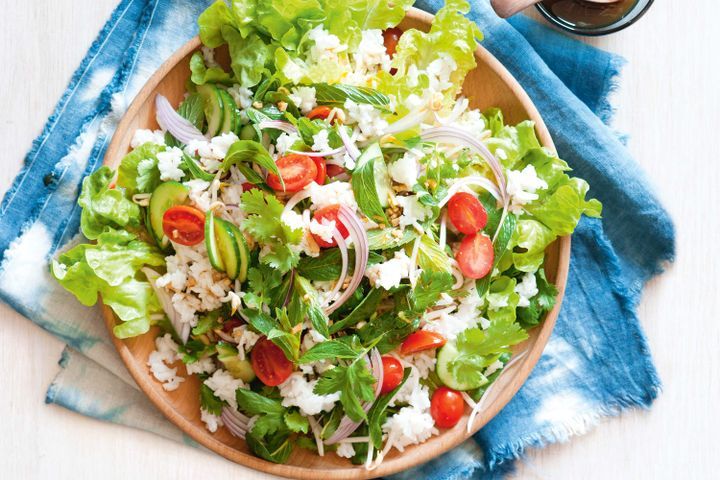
446,407
270,363
296,170
247,186
184,225
231,324
421,340
391,36
334,170
329,213
392,374
321,169
466,213
475,256
322,112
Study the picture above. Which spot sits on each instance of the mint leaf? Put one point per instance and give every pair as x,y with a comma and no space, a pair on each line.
376,414
336,94
296,422
249,151
428,289
255,404
366,308
364,185
329,349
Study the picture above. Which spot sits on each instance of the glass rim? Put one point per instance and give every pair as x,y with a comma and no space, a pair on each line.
594,31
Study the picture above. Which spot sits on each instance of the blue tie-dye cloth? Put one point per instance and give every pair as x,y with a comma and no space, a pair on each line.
597,361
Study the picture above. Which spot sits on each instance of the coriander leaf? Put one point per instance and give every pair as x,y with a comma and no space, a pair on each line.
269,424
377,411
364,184
329,349
366,308
209,402
194,350
265,225
355,383
428,289
263,281
207,322
296,422
255,404
335,95
391,327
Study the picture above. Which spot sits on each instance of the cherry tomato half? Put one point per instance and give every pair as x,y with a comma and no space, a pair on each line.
391,36
446,407
247,186
466,213
231,324
421,340
329,213
322,112
392,374
270,363
475,256
321,170
296,170
184,225
334,170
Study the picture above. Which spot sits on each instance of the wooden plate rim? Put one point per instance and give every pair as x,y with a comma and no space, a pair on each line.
449,439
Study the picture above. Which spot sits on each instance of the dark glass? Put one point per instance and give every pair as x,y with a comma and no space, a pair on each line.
590,18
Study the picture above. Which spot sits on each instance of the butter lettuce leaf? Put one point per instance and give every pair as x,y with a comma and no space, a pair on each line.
104,207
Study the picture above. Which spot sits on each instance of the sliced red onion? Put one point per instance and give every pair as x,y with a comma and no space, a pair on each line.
340,240
411,120
182,329
359,238
349,143
327,153
479,405
348,426
467,181
236,423
297,198
456,136
335,161
315,427
342,177
286,127
225,336
443,231
460,105
178,126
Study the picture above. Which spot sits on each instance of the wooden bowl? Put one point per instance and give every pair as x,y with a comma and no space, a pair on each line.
489,85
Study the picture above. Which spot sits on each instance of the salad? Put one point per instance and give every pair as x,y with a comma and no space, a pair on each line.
325,232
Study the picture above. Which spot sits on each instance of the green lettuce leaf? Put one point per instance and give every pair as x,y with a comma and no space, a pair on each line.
201,74
502,300
531,239
138,171
103,206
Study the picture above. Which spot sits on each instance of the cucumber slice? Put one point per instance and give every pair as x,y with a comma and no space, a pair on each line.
231,114
228,356
447,354
383,184
166,195
244,252
227,247
213,108
211,243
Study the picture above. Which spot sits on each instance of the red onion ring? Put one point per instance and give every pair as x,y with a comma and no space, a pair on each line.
349,143
473,180
347,426
297,198
181,329
344,256
286,127
235,422
456,136
362,251
178,126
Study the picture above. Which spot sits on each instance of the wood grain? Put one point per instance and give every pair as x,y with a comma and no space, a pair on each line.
489,85
668,105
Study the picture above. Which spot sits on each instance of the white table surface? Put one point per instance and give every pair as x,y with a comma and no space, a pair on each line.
670,103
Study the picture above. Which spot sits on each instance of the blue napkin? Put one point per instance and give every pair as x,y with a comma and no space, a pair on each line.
597,362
